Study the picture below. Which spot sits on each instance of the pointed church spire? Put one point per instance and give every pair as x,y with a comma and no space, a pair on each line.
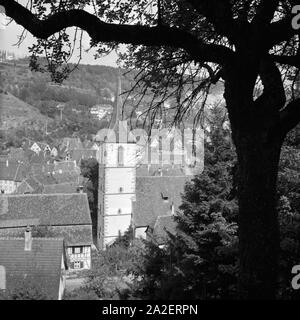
117,123
117,114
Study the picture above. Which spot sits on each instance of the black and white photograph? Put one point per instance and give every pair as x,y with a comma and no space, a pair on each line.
149,153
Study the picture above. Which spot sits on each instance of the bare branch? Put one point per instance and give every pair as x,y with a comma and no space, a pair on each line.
290,116
100,31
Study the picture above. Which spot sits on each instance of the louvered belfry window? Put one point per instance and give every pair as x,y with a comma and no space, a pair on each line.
120,156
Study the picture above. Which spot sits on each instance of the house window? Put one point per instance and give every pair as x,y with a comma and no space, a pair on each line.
77,264
121,189
119,211
77,250
120,156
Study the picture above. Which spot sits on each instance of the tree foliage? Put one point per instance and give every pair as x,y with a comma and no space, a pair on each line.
179,49
201,261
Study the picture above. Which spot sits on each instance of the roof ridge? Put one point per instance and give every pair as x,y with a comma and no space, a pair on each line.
164,216
34,238
15,177
182,176
42,194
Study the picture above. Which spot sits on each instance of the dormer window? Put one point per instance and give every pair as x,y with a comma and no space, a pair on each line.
165,198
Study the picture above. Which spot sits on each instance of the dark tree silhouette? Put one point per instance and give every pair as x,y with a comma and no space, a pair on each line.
250,44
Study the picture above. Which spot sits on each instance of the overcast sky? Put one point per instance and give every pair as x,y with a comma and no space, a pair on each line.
9,36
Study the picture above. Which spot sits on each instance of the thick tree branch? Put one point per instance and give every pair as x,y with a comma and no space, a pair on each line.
290,116
219,13
273,97
100,31
293,61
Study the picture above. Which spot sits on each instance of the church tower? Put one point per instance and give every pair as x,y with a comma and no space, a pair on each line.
117,177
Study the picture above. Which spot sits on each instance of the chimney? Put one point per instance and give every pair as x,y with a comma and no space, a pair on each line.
172,209
80,188
160,172
28,239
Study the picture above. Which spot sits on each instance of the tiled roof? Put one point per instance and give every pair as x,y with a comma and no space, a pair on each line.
61,166
44,179
61,188
67,176
24,187
79,154
40,267
51,209
16,223
72,143
150,194
40,158
66,166
75,235
17,154
158,170
12,170
30,185
66,182
162,226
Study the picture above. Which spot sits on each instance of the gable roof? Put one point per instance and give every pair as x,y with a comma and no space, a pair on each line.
71,143
50,209
79,235
162,226
55,182
41,266
150,194
12,171
24,187
29,185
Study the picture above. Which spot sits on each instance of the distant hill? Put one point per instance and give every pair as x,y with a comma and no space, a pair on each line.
32,97
15,113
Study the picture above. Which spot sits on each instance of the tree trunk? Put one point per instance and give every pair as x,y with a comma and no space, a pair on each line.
258,223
